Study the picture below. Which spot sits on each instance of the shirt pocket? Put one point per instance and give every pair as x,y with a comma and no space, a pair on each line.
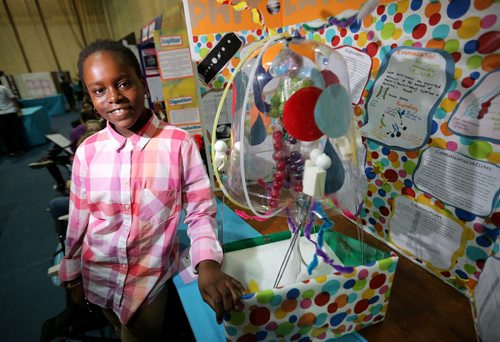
157,205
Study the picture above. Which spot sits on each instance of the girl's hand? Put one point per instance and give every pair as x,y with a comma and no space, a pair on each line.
219,290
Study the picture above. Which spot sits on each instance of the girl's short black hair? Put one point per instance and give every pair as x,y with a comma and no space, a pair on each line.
112,46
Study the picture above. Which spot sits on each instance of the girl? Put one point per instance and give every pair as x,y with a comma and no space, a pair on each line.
130,182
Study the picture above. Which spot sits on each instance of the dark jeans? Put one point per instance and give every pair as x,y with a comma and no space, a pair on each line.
12,132
59,206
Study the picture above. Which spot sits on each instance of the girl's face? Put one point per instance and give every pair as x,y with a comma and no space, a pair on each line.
115,89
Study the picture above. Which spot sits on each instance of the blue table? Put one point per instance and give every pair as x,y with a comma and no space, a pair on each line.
36,122
53,105
201,316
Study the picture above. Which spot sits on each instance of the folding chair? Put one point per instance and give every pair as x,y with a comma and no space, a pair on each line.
61,141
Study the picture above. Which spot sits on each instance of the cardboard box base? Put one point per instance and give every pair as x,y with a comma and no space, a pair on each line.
322,306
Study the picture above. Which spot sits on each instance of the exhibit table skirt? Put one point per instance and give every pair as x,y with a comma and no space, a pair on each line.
53,105
36,123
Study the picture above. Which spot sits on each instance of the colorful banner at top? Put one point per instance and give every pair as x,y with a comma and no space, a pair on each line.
208,16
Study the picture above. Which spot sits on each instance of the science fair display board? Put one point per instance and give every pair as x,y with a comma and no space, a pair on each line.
425,85
173,78
149,64
176,71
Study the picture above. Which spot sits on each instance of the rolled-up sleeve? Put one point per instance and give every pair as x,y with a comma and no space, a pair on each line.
200,207
78,220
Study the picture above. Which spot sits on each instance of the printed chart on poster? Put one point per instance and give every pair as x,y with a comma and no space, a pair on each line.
410,85
209,104
417,229
487,299
463,182
477,116
359,65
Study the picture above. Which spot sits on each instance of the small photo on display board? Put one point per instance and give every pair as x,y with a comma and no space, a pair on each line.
150,62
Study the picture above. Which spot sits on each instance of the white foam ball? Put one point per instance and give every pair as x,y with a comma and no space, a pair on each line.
220,147
315,153
237,146
323,161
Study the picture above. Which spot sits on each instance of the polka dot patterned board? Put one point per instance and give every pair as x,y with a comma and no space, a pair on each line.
320,309
469,31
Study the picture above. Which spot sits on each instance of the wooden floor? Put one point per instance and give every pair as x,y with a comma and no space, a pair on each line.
422,308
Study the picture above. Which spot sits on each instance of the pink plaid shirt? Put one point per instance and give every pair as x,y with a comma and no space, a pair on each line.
125,205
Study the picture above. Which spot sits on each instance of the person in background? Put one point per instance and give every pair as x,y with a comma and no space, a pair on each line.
73,316
60,205
68,92
56,155
86,107
91,127
11,125
129,183
77,90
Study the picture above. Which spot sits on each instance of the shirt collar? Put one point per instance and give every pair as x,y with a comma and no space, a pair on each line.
138,139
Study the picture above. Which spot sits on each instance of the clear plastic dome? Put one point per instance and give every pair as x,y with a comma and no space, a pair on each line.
292,111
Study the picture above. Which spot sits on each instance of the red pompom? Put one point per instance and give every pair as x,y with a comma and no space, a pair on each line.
298,114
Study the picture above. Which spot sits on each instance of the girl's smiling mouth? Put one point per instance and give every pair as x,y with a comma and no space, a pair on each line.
119,111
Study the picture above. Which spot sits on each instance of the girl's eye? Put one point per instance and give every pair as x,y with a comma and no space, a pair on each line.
124,85
98,91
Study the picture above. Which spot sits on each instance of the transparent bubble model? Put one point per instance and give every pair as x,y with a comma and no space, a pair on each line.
293,137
